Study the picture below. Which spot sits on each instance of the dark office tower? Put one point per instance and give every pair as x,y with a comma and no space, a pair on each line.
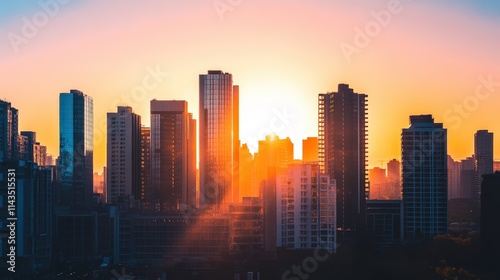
9,130
342,142
218,135
483,155
146,199
170,154
424,178
123,155
490,228
76,148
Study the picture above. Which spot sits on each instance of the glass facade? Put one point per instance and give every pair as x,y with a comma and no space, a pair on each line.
76,124
217,123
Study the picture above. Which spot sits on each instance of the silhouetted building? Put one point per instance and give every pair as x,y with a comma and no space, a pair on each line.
76,148
483,155
123,156
490,211
424,178
467,178
342,142
384,223
9,130
173,166
310,149
454,168
218,137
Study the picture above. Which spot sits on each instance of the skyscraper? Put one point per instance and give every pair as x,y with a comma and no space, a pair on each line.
76,147
342,141
453,178
171,178
9,130
218,136
424,178
483,164
123,155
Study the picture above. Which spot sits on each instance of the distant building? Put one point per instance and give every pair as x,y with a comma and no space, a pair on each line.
123,155
310,149
306,204
467,178
248,182
273,152
378,183
454,168
424,180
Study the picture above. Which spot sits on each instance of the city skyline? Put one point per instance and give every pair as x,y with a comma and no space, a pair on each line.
299,58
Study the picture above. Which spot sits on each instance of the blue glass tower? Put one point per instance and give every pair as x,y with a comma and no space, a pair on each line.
76,139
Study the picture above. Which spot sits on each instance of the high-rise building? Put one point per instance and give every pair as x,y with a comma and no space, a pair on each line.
394,179
76,148
9,130
467,178
218,137
123,155
453,178
342,141
310,149
305,201
483,155
424,178
173,179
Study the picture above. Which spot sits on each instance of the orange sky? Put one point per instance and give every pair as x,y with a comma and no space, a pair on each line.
427,59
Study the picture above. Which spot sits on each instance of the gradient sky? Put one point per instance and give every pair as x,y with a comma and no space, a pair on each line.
428,59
